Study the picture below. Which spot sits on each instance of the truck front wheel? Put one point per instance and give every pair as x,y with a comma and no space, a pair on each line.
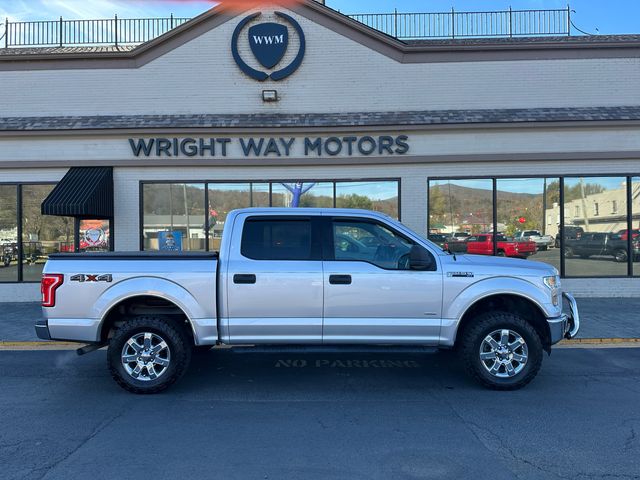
501,350
148,354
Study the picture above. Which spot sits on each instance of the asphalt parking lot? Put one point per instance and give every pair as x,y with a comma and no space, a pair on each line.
317,414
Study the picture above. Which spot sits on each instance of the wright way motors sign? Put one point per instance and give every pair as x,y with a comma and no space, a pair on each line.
272,146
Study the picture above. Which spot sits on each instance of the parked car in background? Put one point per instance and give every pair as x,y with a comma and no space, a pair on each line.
461,235
456,245
9,252
438,238
624,234
543,242
603,244
505,247
570,233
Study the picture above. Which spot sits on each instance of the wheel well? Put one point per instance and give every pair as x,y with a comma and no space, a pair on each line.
140,306
524,307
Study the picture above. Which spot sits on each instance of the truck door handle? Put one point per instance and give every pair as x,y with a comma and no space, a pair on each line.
340,279
244,278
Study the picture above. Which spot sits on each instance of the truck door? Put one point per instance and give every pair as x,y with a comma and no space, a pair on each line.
370,293
274,280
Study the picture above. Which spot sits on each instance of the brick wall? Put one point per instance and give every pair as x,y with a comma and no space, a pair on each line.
337,75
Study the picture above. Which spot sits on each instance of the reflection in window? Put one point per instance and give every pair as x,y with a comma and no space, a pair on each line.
174,217
41,235
8,233
378,196
528,211
594,241
302,194
225,197
460,207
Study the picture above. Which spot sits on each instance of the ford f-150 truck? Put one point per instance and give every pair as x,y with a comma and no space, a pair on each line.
306,276
483,245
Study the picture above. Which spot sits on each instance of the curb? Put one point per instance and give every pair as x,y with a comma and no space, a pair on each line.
598,341
573,343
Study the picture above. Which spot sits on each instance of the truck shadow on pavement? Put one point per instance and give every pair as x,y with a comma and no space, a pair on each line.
324,371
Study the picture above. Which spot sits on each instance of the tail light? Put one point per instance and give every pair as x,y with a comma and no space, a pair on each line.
48,286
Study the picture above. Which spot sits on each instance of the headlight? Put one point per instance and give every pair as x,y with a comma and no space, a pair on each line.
553,282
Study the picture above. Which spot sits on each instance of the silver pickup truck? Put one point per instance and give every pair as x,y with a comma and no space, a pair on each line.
306,276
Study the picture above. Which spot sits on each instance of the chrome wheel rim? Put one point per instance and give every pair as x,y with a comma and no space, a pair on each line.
503,353
146,356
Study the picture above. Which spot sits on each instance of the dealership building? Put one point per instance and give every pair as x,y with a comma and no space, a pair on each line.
147,146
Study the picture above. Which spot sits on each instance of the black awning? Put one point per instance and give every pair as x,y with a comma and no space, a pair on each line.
85,192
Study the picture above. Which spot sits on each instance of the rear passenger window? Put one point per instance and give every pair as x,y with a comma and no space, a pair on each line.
274,239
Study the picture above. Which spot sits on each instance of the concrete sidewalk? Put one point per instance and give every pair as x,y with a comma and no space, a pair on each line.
600,318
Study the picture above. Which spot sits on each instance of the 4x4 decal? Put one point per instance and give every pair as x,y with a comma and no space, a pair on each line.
82,277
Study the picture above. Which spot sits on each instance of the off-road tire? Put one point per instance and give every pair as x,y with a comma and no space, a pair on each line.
172,333
482,326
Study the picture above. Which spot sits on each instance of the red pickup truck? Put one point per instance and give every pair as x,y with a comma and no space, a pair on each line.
483,245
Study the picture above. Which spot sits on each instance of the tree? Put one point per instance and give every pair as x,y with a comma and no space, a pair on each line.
354,200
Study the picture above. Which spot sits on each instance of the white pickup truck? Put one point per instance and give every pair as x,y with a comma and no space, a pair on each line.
306,276
543,242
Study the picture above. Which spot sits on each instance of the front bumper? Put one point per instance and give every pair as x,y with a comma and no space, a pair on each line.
566,325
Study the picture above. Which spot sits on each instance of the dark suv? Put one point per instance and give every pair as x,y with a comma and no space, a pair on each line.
570,233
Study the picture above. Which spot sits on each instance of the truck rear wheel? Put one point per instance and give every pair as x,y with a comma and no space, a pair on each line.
501,350
148,354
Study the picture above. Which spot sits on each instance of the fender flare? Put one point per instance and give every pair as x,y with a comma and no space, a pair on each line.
497,286
147,287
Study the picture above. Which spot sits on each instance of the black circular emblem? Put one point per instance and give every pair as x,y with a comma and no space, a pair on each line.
268,42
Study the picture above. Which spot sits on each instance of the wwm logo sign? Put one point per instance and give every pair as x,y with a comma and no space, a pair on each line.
268,40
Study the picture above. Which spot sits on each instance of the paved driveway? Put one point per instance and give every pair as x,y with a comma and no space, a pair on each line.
323,415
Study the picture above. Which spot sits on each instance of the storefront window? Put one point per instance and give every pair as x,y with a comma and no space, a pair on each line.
94,235
174,217
164,205
225,197
379,196
594,236
302,194
8,233
41,235
529,213
460,209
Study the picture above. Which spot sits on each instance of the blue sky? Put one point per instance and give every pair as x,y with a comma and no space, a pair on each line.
613,16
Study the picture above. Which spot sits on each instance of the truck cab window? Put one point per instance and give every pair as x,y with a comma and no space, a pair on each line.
271,239
371,242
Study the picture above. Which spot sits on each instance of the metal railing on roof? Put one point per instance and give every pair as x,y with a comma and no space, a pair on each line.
113,31
452,24
441,25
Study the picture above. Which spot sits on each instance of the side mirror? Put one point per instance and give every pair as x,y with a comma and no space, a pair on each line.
420,259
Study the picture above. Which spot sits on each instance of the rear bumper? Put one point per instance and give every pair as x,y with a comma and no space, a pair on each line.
42,329
68,329
566,325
